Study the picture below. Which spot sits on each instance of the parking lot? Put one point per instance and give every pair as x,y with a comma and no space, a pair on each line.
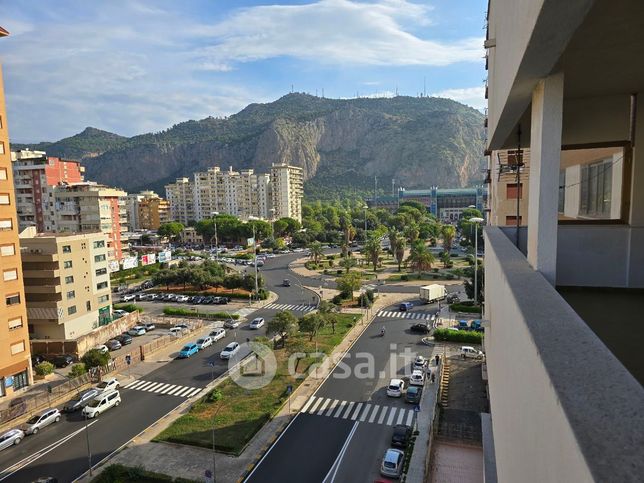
156,306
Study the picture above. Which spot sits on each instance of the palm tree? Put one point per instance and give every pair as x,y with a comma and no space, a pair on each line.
393,239
448,232
372,251
400,250
412,232
316,251
420,258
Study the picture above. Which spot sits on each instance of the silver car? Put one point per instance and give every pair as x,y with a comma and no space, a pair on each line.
11,437
41,420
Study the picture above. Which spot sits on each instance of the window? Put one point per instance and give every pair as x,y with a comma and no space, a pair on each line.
99,258
71,310
101,271
1,147
6,224
100,286
17,348
3,174
15,323
71,294
512,220
562,191
103,298
9,275
12,299
4,199
595,189
67,264
512,192
20,380
88,305
67,249
69,279
8,250
99,244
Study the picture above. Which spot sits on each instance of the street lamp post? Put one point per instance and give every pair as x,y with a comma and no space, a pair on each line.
214,214
476,220
89,451
365,223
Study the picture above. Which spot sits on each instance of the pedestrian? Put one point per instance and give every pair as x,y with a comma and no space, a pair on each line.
437,359
433,377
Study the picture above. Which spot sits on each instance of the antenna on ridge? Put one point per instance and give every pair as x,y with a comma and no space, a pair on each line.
396,90
291,88
323,93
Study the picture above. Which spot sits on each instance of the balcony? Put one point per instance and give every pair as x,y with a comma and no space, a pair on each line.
559,394
43,289
41,273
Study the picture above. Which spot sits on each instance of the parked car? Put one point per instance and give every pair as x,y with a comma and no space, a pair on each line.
453,299
413,394
109,384
417,378
468,352
37,359
229,351
128,298
462,325
149,327
232,324
41,420
286,283
188,350
405,306
401,435
80,401
124,339
420,328
137,330
11,438
392,463
420,363
221,300
62,360
175,330
204,342
102,348
257,323
118,313
102,403
218,334
182,298
113,344
475,325
395,388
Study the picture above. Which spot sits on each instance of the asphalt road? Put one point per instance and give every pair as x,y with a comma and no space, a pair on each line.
344,431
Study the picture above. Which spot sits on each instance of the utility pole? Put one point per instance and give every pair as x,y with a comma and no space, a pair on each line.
255,255
393,187
375,190
89,452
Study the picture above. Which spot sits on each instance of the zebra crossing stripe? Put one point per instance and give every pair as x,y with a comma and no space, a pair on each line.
374,413
383,413
153,387
173,390
346,414
365,412
163,388
184,392
144,386
332,407
356,412
132,384
410,418
323,407
392,414
308,403
340,408
193,392
315,405
401,416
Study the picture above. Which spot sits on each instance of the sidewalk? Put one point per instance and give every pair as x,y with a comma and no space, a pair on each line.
192,462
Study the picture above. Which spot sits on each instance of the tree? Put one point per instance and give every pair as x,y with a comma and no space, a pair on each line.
95,358
348,282
316,251
77,370
414,204
446,259
400,250
348,263
393,236
312,324
412,232
448,232
171,230
469,283
283,323
372,251
420,258
468,228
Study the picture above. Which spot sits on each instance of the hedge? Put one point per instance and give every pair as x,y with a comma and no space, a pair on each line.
129,474
128,307
202,315
449,335
465,307
44,368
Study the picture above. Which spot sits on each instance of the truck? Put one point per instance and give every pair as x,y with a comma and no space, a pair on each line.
432,293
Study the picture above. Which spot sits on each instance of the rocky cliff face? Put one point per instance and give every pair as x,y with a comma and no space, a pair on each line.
339,143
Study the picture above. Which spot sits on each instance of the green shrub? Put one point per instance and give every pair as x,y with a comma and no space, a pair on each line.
466,336
44,368
370,295
363,300
338,272
128,307
77,370
263,294
129,474
178,312
330,257
337,300
467,307
326,271
94,358
404,278
331,263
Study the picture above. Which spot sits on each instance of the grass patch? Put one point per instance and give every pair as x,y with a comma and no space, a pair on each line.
467,336
130,474
201,315
240,413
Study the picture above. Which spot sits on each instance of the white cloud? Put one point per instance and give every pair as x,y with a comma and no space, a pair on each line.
472,96
333,32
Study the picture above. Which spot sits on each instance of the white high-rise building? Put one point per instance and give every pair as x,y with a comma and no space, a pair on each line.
180,196
287,184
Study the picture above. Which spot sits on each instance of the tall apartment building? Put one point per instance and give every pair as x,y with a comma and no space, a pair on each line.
67,283
15,364
146,211
287,184
91,207
563,295
132,201
509,192
34,175
180,196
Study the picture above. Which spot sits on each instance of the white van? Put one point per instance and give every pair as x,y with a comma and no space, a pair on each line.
101,404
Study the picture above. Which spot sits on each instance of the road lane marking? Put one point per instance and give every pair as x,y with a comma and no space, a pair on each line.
133,384
143,386
383,413
356,412
334,404
346,414
410,417
193,392
323,407
163,388
173,390
392,414
308,403
374,413
153,387
315,405
184,392
401,416
365,412
333,471
340,408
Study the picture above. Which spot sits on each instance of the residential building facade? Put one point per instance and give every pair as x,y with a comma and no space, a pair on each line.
287,185
91,207
509,189
67,283
565,390
35,174
180,196
153,211
15,363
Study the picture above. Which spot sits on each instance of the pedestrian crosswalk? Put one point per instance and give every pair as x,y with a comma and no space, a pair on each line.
404,315
292,307
162,388
358,411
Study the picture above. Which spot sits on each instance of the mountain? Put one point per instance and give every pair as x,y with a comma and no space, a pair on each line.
341,144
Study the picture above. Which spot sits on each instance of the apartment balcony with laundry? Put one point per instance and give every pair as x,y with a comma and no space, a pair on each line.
564,296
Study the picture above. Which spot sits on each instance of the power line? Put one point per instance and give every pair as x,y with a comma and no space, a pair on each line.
606,167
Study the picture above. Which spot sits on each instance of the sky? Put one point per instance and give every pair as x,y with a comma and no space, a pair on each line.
137,66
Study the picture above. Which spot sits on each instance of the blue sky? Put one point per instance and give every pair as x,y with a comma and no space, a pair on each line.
134,66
